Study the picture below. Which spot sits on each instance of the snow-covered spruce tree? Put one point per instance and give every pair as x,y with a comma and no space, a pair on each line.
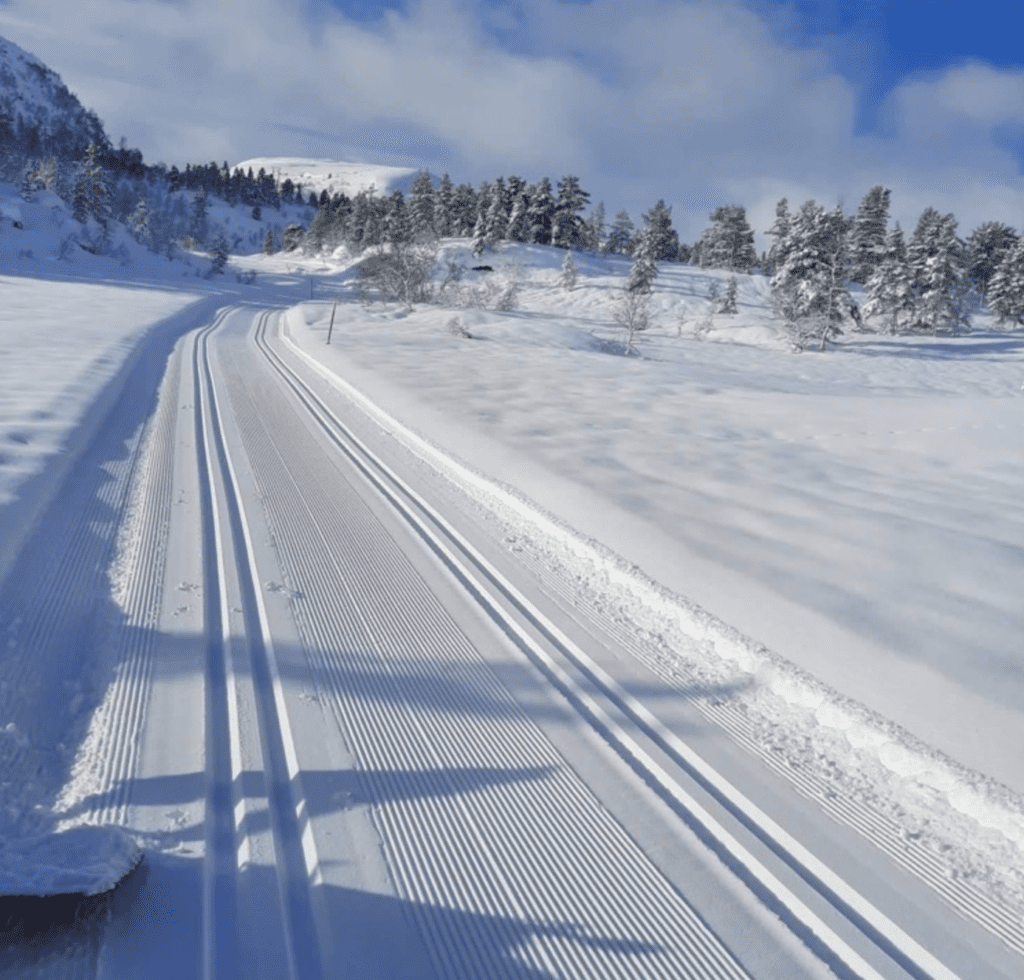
496,220
463,210
92,190
443,208
480,233
890,288
1006,287
810,290
568,277
518,222
780,231
937,264
727,302
541,213
645,259
422,207
268,243
987,246
139,225
729,242
620,235
397,220
867,236
658,227
567,228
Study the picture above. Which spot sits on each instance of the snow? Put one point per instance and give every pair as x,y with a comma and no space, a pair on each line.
333,176
837,535
843,529
83,860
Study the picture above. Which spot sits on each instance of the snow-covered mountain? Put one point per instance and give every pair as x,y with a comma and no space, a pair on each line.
334,176
40,110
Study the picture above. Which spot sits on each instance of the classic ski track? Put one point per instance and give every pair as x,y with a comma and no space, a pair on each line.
121,717
226,530
902,948
435,842
961,895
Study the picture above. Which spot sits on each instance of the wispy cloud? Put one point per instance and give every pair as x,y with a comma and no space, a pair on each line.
699,103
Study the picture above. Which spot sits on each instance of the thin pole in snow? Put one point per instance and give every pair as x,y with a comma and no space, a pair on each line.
331,327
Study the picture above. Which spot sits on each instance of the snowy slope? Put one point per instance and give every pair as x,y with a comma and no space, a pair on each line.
35,94
333,176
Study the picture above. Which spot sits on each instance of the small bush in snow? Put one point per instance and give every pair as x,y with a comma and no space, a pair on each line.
456,329
633,315
246,278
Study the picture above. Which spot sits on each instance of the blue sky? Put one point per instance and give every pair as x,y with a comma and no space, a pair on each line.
698,102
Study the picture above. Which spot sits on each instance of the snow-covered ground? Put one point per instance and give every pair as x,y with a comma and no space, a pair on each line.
835,539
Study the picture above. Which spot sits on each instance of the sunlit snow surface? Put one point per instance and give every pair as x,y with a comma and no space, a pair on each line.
83,860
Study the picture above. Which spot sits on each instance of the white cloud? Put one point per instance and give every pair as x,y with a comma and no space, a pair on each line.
699,103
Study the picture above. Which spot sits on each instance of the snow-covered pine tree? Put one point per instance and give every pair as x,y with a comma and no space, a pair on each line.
729,242
889,288
809,291
645,257
480,233
463,210
138,223
541,212
268,243
620,235
727,302
780,232
987,246
443,208
519,222
1006,287
496,222
422,207
293,236
867,236
567,229
92,190
397,220
568,277
658,225
936,259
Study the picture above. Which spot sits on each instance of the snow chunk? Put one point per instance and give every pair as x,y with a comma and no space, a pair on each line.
83,860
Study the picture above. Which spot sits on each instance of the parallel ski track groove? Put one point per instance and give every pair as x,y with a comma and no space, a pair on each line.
154,488
426,837
961,895
285,799
885,934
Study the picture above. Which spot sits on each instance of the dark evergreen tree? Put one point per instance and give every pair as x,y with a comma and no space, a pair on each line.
464,208
398,229
443,223
422,207
867,235
92,190
218,255
293,236
620,235
496,220
541,212
268,243
568,229
780,232
658,224
987,246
